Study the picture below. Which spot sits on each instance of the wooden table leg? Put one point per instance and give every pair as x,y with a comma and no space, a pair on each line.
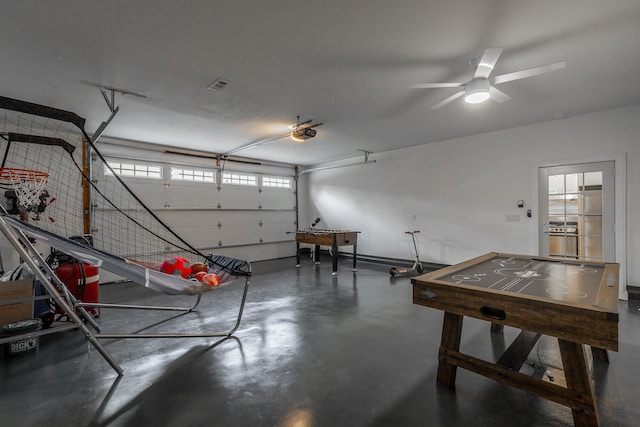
497,328
355,256
451,333
599,355
516,355
576,372
334,255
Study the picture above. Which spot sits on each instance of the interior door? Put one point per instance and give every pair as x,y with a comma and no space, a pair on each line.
577,211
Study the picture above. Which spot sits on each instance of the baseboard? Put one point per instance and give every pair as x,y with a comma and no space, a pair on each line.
428,266
324,252
634,293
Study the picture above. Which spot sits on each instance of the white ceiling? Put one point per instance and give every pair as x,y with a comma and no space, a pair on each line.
348,64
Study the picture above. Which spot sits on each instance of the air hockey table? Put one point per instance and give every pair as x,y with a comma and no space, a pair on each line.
575,301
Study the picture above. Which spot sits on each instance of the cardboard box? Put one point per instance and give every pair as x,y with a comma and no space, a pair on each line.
14,311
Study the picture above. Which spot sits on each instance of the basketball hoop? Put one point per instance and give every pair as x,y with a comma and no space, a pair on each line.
28,185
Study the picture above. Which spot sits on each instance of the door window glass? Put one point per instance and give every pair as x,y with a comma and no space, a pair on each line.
575,215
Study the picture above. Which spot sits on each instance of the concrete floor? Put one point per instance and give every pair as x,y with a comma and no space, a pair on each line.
312,350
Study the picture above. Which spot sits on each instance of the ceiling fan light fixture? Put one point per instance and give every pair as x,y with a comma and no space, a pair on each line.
476,97
477,91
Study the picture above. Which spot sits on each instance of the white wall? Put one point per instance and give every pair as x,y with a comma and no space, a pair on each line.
458,192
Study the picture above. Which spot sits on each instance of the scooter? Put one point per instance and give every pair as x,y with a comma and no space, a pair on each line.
417,264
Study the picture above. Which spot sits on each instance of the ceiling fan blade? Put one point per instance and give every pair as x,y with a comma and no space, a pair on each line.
487,62
448,100
528,73
498,95
435,85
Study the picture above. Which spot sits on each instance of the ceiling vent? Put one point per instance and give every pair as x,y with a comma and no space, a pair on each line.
219,84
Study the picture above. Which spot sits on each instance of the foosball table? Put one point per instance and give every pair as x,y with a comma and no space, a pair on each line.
332,238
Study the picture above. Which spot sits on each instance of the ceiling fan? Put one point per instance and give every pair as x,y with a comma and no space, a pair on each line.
481,87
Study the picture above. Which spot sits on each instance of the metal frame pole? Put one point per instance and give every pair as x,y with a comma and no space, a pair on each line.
17,244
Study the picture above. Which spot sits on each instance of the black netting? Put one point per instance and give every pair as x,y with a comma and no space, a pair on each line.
54,141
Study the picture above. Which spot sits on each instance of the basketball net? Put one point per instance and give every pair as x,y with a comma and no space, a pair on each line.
28,185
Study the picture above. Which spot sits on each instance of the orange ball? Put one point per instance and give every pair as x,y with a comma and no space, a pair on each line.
197,267
211,279
199,275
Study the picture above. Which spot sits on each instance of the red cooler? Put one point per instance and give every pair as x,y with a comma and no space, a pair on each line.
82,281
